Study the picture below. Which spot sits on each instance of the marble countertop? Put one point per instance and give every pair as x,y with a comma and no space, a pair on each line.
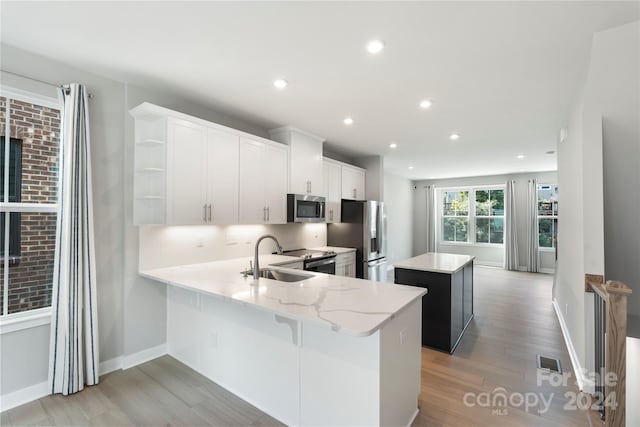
352,306
435,262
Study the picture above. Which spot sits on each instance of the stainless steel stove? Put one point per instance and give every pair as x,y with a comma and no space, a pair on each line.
314,260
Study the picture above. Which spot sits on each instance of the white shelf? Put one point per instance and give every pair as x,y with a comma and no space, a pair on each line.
149,142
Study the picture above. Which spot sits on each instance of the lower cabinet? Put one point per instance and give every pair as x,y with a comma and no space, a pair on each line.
448,307
346,264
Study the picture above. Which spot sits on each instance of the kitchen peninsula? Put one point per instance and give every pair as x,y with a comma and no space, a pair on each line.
447,308
324,350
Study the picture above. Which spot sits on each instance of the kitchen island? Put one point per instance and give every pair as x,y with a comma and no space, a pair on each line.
447,308
325,350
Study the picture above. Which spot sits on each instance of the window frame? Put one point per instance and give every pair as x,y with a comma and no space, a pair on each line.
39,316
552,248
471,231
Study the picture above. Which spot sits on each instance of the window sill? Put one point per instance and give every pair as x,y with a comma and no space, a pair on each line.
478,245
25,320
547,249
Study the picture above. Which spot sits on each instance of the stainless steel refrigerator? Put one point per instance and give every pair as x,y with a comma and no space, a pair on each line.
364,227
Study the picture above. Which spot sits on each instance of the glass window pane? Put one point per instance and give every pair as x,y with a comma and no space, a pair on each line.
483,203
461,227
2,260
448,229
31,275
547,200
497,232
545,232
482,230
34,148
497,202
455,203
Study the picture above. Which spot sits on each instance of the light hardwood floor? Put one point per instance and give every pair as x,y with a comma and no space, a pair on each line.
514,321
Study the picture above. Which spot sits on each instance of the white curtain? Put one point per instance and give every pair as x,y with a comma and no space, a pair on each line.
533,259
74,322
510,228
430,218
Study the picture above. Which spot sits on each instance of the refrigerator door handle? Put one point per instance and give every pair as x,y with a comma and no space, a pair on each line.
376,263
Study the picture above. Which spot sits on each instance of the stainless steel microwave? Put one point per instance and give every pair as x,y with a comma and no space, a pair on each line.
305,208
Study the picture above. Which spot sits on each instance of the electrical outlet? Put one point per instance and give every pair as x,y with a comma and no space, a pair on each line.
403,336
566,309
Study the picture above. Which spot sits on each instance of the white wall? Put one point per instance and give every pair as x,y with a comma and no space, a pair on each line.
374,179
493,256
615,70
599,196
398,194
107,134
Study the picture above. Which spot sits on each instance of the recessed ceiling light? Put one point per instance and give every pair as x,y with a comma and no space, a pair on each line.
348,121
280,83
520,156
454,136
375,46
551,152
426,103
410,167
393,145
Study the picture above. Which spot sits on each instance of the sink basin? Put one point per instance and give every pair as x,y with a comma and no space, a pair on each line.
282,276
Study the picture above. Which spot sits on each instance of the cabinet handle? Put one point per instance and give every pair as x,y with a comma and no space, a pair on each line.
355,193
268,213
330,214
209,212
204,213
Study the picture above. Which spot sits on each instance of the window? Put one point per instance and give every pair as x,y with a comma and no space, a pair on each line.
29,161
547,215
473,215
455,216
489,216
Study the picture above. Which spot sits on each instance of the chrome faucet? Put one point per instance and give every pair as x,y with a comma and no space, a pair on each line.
256,267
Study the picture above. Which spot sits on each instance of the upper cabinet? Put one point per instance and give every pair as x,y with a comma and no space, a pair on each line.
353,179
188,172
332,177
305,159
263,182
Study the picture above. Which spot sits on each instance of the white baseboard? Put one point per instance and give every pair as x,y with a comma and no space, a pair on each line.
143,356
24,395
488,264
584,383
36,391
542,270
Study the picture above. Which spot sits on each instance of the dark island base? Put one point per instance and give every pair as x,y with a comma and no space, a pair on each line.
447,309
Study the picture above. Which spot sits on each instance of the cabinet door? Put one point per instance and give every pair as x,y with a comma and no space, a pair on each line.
252,182
186,173
306,165
222,177
275,178
341,270
332,177
352,183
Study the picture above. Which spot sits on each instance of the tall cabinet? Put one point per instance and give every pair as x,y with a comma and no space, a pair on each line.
332,177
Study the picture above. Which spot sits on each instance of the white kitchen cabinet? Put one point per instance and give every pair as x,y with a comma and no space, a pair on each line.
346,264
185,173
332,190
353,179
223,163
263,182
305,159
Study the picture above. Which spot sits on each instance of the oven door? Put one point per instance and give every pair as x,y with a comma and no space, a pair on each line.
325,265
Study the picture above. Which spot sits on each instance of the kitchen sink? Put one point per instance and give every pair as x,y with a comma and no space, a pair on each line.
282,276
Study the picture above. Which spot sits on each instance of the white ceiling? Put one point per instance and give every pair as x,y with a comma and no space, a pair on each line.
502,74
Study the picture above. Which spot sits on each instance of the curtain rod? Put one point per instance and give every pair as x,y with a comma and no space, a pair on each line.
90,95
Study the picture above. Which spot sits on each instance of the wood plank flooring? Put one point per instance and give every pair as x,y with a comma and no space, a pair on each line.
514,321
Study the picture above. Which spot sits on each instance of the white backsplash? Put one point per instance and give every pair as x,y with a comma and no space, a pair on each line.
166,246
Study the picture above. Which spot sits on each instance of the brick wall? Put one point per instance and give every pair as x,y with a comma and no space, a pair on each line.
31,277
